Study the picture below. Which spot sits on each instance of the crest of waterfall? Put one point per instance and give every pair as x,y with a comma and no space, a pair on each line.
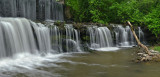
100,37
72,39
32,9
17,36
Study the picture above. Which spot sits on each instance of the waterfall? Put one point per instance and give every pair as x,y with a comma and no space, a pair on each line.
18,36
141,35
72,39
66,39
56,39
32,9
124,36
42,34
50,9
18,8
100,37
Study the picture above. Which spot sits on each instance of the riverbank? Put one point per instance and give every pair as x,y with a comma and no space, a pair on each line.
153,56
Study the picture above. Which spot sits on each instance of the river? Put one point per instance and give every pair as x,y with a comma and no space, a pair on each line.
97,64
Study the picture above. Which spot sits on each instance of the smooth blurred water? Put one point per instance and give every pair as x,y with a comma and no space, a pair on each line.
32,9
97,64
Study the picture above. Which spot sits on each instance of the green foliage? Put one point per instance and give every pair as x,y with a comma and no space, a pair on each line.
157,48
79,10
99,14
153,20
139,12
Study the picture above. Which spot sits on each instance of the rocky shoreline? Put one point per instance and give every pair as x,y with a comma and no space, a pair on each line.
143,57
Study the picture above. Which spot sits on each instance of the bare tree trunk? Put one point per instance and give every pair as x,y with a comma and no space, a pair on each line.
146,50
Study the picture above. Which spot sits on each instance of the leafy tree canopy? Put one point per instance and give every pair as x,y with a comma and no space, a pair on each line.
139,12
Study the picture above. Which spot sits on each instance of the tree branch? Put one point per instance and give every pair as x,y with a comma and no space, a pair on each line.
146,50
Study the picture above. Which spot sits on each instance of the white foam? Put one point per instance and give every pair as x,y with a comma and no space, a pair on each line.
107,49
27,61
130,46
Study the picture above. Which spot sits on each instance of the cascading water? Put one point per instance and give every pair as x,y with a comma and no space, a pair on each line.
26,45
50,9
20,35
124,36
32,9
18,8
66,40
17,36
141,35
43,37
72,39
100,37
56,39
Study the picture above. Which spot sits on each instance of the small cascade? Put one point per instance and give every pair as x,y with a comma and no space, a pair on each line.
100,37
42,34
124,36
131,37
17,36
72,39
56,39
66,39
141,35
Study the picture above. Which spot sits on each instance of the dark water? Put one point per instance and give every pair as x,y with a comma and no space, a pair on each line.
98,64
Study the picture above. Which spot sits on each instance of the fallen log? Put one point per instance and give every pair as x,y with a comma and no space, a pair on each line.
146,50
144,54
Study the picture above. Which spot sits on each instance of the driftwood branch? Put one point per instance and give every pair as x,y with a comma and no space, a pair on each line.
146,50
